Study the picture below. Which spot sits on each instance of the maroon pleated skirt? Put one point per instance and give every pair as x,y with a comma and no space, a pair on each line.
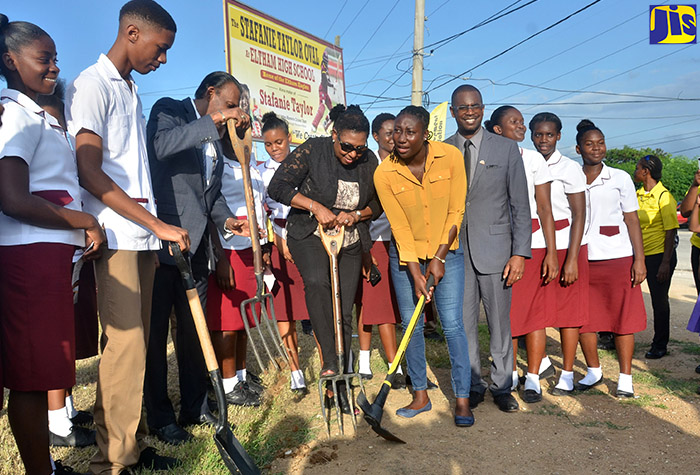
288,292
378,303
86,327
571,307
224,306
532,302
615,306
37,330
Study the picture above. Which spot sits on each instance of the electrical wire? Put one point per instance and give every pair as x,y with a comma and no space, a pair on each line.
330,27
376,30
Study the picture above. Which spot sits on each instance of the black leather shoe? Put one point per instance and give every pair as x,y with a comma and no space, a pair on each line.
506,402
561,392
585,387
531,396
78,437
625,394
606,341
149,459
399,381
203,419
548,373
303,391
64,469
82,418
697,369
241,395
172,434
655,354
475,398
366,376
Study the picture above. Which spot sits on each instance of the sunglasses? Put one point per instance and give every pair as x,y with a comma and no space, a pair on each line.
347,148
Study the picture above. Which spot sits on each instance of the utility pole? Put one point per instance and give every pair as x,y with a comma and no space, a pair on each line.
417,84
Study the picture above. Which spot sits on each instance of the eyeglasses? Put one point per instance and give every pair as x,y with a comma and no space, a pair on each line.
347,148
469,107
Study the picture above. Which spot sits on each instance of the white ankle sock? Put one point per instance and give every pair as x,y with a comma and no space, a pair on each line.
364,362
532,381
297,380
593,375
230,383
566,381
241,374
59,423
625,383
544,364
398,370
514,384
70,409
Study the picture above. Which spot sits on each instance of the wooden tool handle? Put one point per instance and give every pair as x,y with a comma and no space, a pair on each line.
242,149
332,243
200,323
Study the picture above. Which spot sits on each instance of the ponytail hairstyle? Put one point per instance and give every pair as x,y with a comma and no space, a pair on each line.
14,36
271,122
497,117
654,165
583,128
350,118
545,117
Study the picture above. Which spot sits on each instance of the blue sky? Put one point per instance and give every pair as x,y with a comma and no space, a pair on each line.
604,49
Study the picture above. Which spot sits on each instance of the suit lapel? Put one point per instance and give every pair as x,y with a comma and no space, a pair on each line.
191,116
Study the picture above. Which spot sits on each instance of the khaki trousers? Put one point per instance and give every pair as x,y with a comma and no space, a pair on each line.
125,286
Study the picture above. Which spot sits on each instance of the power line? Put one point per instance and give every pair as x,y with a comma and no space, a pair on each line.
374,33
650,130
518,44
684,150
671,138
335,19
354,18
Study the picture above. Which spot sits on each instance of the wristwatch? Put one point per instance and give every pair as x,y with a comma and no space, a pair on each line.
359,215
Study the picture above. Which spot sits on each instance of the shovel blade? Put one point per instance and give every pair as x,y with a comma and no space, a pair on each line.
373,416
233,454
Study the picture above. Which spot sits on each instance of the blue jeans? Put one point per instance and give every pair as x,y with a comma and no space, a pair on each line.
448,296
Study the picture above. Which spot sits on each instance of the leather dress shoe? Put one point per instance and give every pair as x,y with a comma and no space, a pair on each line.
475,398
655,353
241,395
149,459
172,434
506,402
366,376
464,421
78,437
531,396
548,373
409,413
585,387
82,418
206,418
303,391
399,381
625,394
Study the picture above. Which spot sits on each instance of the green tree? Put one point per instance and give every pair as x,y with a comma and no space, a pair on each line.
678,170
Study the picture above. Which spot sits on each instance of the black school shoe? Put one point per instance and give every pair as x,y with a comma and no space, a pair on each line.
78,437
149,459
655,353
172,434
82,418
242,395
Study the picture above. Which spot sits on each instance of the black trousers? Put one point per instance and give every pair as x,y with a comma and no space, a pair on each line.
314,266
659,299
169,292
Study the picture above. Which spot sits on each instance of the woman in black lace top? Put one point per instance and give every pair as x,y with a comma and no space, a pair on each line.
328,180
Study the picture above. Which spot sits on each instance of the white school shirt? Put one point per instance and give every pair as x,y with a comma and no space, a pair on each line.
267,170
30,133
380,229
232,191
100,100
567,178
536,173
610,195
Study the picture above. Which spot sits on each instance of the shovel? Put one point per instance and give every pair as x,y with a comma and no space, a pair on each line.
232,452
373,412
242,151
332,244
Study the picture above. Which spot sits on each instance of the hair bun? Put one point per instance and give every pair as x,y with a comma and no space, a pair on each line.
585,124
336,111
4,21
268,116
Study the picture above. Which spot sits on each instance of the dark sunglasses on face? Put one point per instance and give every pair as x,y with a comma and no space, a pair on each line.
347,148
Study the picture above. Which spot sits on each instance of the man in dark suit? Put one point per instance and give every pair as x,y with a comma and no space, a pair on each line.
184,152
495,233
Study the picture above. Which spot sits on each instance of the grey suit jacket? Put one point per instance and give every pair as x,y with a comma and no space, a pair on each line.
175,139
497,223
